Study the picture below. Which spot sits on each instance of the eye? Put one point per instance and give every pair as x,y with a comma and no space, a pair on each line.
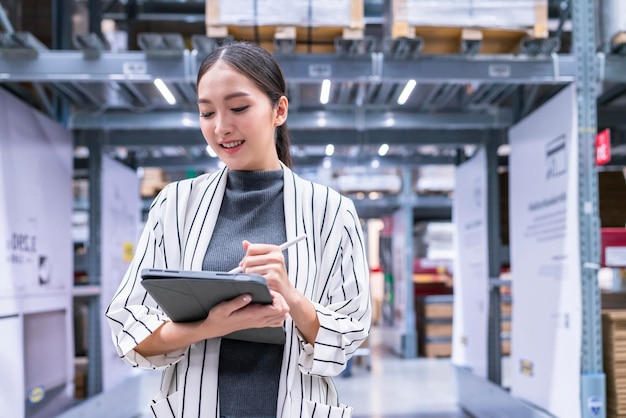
206,114
240,109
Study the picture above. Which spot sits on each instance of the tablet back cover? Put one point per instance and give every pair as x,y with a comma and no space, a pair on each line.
187,296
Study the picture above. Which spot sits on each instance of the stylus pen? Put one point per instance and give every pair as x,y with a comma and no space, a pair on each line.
282,247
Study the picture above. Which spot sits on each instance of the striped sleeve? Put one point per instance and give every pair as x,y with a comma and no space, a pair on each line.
343,308
132,313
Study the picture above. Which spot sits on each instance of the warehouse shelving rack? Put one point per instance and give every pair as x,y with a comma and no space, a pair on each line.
72,74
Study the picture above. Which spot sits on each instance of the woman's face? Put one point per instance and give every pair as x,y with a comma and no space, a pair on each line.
238,120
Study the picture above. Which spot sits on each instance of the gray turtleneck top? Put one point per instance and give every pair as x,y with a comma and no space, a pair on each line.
252,209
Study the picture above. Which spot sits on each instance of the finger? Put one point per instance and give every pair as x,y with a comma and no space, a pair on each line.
238,302
260,249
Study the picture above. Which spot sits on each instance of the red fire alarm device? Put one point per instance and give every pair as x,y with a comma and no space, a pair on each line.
603,147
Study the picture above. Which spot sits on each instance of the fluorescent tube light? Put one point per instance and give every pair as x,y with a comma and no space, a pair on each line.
406,92
325,93
383,150
165,92
330,149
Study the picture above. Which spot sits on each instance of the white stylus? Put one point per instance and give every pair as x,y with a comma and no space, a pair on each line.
282,247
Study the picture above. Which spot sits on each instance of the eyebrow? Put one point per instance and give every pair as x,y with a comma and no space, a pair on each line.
228,97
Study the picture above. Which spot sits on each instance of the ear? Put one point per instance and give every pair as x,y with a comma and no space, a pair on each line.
281,110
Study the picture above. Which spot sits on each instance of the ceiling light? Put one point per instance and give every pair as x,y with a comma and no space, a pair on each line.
504,150
165,92
406,92
325,94
210,151
327,163
187,121
375,163
330,149
383,150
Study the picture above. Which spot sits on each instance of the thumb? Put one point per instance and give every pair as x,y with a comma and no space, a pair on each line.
240,301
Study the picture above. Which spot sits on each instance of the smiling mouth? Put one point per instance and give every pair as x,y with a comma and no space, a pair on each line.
232,144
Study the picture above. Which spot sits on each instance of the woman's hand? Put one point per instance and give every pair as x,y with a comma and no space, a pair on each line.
268,261
240,313
224,318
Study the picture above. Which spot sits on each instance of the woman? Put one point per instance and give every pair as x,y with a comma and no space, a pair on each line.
239,216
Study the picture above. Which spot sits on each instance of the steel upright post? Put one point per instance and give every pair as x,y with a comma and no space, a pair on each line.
593,393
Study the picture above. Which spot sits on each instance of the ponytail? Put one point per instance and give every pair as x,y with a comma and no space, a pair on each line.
283,145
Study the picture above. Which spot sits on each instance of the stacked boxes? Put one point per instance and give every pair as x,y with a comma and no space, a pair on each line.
313,25
434,315
614,356
154,180
500,25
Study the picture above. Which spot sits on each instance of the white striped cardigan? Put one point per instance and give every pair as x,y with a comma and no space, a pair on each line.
329,267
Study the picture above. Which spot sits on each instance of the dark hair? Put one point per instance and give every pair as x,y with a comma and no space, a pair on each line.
258,65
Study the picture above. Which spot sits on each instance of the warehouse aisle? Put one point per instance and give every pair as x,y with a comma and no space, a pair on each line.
392,387
399,388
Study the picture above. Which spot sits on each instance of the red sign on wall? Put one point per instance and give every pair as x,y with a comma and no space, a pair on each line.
603,147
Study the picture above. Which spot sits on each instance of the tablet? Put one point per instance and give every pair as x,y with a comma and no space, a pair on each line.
187,296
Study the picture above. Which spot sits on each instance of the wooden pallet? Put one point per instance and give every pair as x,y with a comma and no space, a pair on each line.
315,38
614,356
154,180
437,349
451,39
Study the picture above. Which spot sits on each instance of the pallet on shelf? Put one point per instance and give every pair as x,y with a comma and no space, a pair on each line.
437,349
614,356
153,181
311,28
434,325
448,28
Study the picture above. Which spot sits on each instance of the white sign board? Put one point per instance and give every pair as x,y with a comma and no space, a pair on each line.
545,260
471,269
36,205
36,273
121,209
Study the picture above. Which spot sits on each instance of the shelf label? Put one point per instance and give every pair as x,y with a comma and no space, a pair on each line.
320,70
134,68
500,70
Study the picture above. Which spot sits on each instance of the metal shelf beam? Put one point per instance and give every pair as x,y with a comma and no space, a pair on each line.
191,137
303,120
142,66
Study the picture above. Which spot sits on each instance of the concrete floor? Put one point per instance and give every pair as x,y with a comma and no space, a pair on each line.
394,387
382,385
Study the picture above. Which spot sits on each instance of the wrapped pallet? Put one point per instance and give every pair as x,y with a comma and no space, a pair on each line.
614,357
314,23
612,23
500,24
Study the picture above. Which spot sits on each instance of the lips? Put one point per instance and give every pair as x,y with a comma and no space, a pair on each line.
229,145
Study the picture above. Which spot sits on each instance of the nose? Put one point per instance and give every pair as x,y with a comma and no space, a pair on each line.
222,126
